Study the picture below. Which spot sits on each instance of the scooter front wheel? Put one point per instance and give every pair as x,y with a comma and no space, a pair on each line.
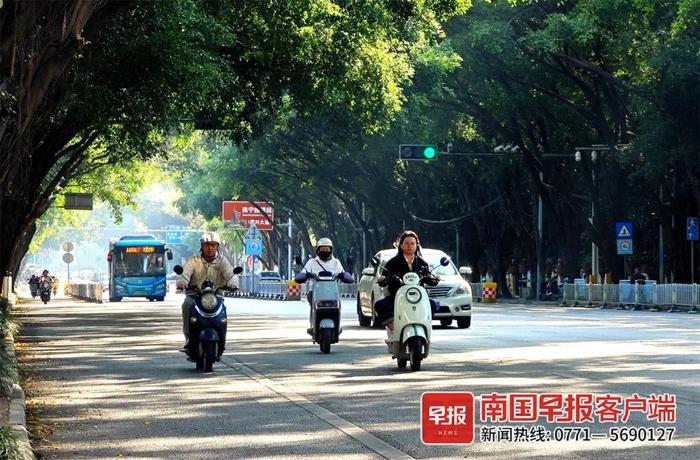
326,339
209,355
402,363
415,351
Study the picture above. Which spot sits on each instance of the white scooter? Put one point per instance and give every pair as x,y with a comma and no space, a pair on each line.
325,308
409,341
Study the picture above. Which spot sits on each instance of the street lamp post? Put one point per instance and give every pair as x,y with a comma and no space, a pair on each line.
595,272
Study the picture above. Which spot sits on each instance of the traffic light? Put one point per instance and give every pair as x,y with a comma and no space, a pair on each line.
417,152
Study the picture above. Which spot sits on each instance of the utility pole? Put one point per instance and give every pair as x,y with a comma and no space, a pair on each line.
364,239
289,249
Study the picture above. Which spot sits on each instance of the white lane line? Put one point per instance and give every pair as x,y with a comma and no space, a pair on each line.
365,438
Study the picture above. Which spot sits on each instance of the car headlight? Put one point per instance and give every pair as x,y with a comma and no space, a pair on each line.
209,302
463,288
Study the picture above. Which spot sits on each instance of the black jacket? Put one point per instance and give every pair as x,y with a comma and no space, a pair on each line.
398,266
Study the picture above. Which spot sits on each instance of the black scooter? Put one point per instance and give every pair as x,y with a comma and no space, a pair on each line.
208,321
45,289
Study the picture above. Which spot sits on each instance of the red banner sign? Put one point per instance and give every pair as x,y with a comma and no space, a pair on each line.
245,212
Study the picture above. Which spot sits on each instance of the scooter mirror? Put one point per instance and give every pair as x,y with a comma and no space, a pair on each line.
169,254
375,261
444,261
237,270
297,260
178,269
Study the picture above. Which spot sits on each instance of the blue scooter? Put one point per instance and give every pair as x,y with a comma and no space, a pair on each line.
208,322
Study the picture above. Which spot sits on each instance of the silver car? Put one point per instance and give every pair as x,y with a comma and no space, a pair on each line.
453,292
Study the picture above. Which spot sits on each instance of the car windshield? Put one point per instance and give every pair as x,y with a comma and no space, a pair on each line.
434,261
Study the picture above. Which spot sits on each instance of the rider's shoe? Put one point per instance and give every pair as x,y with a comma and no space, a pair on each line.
186,347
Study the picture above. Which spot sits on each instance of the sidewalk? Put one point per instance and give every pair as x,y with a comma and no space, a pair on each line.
12,406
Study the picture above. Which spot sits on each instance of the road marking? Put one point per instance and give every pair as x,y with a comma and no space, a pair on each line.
364,437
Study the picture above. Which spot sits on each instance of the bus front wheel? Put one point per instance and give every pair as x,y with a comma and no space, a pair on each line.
115,299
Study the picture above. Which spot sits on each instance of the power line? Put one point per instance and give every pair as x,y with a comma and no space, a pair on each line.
447,221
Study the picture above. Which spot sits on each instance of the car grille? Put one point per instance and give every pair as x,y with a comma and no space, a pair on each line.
438,291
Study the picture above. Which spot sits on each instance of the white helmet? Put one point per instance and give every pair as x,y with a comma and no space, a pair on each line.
324,255
210,237
324,242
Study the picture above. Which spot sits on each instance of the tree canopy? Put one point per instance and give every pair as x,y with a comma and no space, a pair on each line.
86,84
547,77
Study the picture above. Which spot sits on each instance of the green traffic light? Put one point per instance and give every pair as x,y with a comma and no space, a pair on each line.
429,153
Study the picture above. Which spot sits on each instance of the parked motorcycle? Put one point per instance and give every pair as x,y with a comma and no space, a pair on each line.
409,340
208,321
45,289
325,307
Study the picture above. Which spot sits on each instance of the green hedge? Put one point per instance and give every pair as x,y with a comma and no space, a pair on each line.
8,445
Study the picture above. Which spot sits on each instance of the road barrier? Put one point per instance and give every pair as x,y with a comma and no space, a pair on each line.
489,292
85,291
625,295
634,296
281,290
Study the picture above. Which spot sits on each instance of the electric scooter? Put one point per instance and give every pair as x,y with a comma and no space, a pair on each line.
325,307
409,340
208,324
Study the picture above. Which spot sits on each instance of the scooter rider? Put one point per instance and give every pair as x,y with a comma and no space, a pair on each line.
210,265
408,259
324,261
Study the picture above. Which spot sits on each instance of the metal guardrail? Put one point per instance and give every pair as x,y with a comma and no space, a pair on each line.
275,290
635,296
477,292
85,291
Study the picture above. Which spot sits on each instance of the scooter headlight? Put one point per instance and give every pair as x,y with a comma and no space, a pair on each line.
413,295
209,302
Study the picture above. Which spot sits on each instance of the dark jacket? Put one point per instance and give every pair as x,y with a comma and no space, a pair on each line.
398,266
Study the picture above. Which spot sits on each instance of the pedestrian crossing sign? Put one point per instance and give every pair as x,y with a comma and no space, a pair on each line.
623,230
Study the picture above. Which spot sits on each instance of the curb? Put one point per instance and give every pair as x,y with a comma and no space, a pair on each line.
17,420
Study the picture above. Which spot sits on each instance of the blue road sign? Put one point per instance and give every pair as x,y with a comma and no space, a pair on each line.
625,247
692,226
174,237
253,232
253,247
623,230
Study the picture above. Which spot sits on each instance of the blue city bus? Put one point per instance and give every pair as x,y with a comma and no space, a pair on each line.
137,268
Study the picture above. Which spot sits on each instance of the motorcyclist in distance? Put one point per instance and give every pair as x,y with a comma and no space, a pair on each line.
209,265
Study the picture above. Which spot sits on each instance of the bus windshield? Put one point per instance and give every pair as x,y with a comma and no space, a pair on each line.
139,261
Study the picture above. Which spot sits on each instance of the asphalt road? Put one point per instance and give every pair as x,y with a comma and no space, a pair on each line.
110,381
